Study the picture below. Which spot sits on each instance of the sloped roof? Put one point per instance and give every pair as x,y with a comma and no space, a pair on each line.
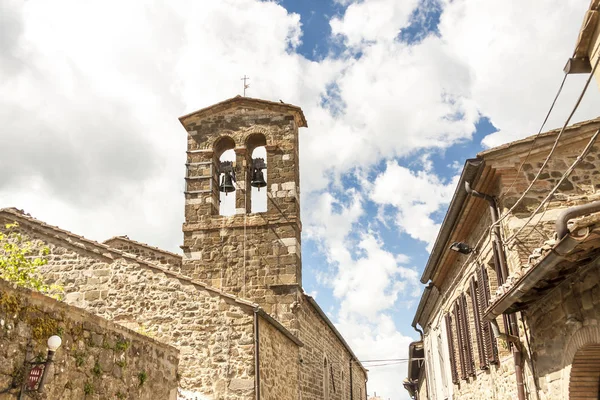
543,141
473,168
106,251
588,27
126,238
238,101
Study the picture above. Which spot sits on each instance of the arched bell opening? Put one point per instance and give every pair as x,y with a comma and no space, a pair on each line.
225,174
584,380
258,180
255,145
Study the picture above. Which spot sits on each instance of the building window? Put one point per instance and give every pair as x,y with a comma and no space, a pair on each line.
326,382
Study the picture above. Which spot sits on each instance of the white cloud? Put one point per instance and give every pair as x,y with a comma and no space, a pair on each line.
415,196
368,282
373,20
89,100
379,341
515,51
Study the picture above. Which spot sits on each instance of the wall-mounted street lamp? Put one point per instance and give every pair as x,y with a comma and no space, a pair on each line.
461,247
36,378
53,343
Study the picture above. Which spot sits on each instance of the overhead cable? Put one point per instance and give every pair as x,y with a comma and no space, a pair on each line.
558,137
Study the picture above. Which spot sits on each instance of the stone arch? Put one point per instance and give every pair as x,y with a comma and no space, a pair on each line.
582,362
256,139
222,144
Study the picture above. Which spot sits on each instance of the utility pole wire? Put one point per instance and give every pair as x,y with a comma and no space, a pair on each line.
587,83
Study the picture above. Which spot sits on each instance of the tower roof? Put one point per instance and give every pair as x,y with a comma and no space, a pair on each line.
239,101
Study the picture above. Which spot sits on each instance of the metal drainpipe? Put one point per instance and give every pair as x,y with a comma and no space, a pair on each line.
496,231
256,357
572,212
418,330
517,355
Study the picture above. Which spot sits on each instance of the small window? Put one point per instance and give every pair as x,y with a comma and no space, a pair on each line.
326,382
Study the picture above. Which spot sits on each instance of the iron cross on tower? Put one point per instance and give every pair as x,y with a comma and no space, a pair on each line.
246,85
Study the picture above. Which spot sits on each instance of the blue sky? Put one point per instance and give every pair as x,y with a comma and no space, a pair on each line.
397,95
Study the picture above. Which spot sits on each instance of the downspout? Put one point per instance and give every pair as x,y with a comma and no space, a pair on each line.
418,330
496,231
572,212
256,357
501,258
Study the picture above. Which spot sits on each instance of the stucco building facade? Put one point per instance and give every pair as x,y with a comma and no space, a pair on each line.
233,303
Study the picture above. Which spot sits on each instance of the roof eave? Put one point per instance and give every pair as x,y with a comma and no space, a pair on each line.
292,109
470,173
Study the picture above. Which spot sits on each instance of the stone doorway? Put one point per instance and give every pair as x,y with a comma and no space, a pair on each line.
584,382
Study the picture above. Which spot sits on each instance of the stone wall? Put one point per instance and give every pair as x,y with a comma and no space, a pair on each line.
562,323
545,326
321,342
213,332
498,381
146,252
582,186
279,364
98,359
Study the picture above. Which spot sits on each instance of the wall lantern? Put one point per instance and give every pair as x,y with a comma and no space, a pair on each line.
461,248
36,379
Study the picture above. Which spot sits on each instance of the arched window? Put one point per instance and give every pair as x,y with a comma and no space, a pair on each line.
326,380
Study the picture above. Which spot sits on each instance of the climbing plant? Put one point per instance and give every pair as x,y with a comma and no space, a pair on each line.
20,261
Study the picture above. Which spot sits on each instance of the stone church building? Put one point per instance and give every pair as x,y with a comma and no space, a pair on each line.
233,303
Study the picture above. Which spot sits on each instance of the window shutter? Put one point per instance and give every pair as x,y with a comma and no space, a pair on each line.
491,349
450,338
470,363
483,362
461,340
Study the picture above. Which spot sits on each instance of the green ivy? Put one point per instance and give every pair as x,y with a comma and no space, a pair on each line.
97,370
143,377
88,388
20,262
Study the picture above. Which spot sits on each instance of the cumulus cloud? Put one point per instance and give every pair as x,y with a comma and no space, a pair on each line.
515,51
373,20
90,138
415,196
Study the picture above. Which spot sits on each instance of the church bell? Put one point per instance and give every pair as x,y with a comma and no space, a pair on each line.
226,186
258,178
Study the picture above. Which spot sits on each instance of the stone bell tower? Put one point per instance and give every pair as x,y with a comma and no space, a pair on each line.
255,256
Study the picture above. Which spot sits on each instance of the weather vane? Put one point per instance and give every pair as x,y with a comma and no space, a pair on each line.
246,85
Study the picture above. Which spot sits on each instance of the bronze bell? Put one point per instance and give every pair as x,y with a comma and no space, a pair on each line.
226,185
258,179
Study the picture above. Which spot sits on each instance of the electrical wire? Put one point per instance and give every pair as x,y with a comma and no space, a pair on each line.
560,88
558,137
555,188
